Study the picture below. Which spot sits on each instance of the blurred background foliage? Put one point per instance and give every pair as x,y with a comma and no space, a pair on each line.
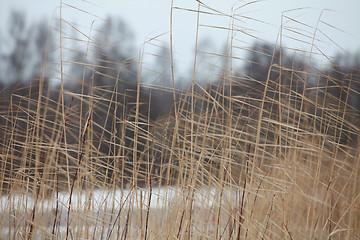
105,69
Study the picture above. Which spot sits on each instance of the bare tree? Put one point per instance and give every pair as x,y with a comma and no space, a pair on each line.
22,48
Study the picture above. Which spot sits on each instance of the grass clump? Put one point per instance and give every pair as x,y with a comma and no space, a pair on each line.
269,151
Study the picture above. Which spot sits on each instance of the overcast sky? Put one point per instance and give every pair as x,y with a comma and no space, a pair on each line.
338,30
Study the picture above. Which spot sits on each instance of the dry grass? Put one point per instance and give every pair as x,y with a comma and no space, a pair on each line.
221,164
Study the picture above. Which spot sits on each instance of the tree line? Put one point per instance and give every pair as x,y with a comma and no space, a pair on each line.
102,86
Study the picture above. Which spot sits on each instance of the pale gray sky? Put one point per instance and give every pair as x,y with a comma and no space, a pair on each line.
339,25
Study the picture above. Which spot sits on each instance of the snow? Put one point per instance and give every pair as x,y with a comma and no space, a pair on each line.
105,199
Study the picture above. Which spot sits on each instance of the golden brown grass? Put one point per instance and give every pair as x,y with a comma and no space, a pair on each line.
221,164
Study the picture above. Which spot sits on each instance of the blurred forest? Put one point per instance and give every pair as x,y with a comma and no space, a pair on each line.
106,70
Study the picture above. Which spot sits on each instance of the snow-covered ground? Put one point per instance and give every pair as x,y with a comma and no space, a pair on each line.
102,199
101,206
